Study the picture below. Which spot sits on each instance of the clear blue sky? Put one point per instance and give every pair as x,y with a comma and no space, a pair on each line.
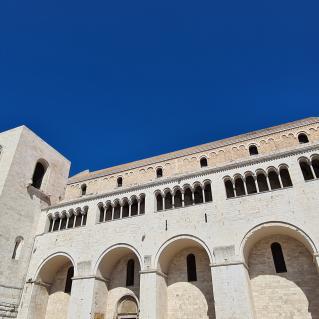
107,82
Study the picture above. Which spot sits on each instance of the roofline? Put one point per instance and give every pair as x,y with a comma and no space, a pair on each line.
192,150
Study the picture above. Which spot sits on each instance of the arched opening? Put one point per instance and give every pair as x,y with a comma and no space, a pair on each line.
229,188
239,186
203,162
125,209
251,185
198,195
108,212
38,175
159,202
281,268
187,290
119,182
130,273
274,180
159,172
120,266
168,200
102,213
117,211
303,138
285,177
17,248
306,170
262,182
134,207
178,199
142,204
188,196
208,192
253,150
315,166
53,287
83,189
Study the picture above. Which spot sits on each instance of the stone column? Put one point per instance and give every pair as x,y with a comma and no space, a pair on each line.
153,295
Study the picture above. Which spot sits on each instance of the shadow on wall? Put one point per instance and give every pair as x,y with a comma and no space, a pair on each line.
291,294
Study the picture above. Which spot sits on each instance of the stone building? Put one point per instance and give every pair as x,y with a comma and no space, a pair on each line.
225,230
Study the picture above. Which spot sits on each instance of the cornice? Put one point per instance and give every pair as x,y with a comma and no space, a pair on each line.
198,174
194,150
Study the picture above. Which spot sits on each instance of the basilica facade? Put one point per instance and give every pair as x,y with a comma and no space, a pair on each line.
224,230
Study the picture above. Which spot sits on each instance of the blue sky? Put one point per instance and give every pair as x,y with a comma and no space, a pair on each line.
107,82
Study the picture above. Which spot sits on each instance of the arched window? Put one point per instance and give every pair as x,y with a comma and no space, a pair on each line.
253,150
117,211
203,162
285,177
168,200
119,182
306,170
159,202
63,222
315,166
71,221
278,257
229,188
251,185
142,204
178,200
56,224
83,189
102,213
130,273
38,175
262,182
191,268
239,187
208,192
188,197
108,212
68,282
303,138
198,195
125,209
17,248
134,207
159,172
274,180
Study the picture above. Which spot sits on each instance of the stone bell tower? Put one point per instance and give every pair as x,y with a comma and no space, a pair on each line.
33,175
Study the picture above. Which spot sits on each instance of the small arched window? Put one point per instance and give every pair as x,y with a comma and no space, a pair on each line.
285,177
306,170
315,166
168,200
130,273
119,182
117,211
125,209
38,175
203,162
239,187
142,205
17,248
108,212
191,268
262,182
134,207
278,257
68,282
208,192
159,172
159,202
253,150
251,185
102,213
229,188
303,138
83,189
188,197
274,180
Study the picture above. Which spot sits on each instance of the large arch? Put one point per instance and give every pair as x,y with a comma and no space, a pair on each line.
118,282
185,285
50,299
284,285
